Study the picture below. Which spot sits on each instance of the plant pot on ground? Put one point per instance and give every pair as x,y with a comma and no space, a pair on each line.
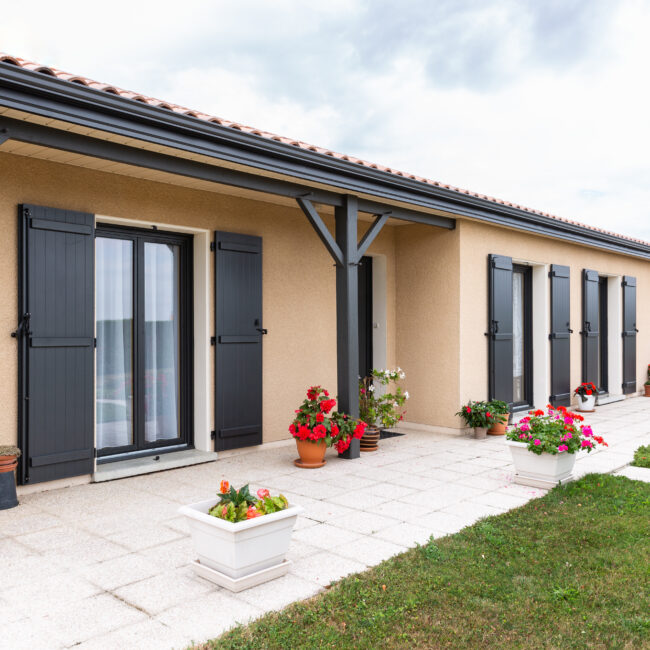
544,446
646,386
586,393
499,414
9,456
242,540
317,426
379,407
477,415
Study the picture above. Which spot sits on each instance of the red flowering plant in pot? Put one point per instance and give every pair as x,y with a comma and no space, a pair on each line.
553,436
586,393
646,386
318,426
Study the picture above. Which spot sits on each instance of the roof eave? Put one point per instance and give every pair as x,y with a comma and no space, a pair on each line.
51,97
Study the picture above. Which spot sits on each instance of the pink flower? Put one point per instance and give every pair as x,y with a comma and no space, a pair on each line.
537,442
586,443
524,427
586,431
568,420
251,513
562,448
262,493
522,435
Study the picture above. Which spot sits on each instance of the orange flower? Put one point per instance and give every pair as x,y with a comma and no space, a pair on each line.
224,487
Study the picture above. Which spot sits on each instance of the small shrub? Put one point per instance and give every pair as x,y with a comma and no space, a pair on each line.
642,457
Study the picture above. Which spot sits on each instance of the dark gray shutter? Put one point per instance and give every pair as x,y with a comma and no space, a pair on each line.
365,316
238,303
629,334
560,335
590,325
56,363
500,328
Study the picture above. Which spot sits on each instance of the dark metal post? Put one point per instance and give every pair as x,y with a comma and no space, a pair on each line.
347,314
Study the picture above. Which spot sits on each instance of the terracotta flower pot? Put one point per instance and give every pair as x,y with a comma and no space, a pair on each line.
498,429
8,482
647,390
370,439
312,454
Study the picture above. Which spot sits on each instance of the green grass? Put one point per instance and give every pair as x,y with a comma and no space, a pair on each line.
642,457
569,570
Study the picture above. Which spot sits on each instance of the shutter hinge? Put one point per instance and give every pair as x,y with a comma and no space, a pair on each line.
213,246
213,340
213,435
95,342
94,452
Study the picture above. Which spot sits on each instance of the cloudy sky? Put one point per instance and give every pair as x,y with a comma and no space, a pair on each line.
545,103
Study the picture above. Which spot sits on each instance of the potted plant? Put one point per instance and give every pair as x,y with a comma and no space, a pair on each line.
317,426
499,413
646,386
242,539
477,415
586,393
9,456
544,445
380,410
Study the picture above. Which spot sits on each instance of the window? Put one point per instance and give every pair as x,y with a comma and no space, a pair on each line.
522,349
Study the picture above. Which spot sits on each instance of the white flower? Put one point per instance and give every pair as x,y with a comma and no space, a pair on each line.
371,389
406,395
398,369
402,375
395,404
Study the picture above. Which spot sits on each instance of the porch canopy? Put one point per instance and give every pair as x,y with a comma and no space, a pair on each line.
49,110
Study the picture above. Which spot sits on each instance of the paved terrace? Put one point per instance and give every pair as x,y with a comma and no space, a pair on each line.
106,565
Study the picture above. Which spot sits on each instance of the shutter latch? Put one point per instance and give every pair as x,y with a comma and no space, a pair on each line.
23,326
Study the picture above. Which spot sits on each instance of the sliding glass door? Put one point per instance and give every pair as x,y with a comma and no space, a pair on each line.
143,326
522,349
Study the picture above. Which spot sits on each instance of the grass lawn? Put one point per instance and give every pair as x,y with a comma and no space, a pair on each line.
642,457
569,570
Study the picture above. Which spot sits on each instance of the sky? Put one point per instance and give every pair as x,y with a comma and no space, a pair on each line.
545,103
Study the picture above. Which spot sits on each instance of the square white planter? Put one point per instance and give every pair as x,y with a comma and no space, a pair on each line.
243,548
543,470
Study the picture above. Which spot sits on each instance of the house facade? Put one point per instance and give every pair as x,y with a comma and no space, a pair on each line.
175,281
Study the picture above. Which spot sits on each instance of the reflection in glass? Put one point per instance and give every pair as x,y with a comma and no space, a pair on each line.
161,362
114,314
518,337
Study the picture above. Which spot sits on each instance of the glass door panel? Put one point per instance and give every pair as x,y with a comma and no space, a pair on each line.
114,328
518,340
161,342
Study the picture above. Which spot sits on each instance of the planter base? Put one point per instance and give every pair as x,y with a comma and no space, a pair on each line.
299,463
544,484
239,584
7,491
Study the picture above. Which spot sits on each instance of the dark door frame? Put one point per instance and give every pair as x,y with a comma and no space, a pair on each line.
139,237
527,272
365,315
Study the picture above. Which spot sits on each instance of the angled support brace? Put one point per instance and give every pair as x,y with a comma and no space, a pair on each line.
320,228
371,234
4,136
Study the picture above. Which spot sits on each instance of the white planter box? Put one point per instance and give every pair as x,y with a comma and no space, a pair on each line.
240,549
543,470
588,405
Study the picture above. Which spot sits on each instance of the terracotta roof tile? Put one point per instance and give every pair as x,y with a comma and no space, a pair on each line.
107,88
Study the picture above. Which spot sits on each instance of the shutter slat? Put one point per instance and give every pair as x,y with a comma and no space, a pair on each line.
560,335
629,334
500,328
238,317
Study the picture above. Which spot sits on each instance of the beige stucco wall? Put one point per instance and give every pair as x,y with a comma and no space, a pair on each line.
428,313
479,240
298,273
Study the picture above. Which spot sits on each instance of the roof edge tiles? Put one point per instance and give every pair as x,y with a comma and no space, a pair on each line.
235,126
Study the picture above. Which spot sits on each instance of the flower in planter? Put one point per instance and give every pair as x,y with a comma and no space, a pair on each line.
382,410
554,431
316,420
477,414
240,505
586,389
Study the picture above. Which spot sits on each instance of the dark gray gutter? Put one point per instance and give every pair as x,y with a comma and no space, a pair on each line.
51,97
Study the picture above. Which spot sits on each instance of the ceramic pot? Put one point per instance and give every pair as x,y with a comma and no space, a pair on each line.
588,405
8,497
647,390
480,433
245,551
498,429
312,454
540,470
370,439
